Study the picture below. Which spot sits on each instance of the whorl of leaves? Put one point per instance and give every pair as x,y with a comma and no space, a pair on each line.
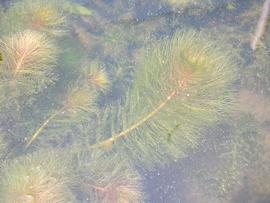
28,61
39,15
182,86
39,177
107,178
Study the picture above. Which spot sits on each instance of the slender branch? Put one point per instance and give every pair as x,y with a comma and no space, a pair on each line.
113,138
43,126
261,25
20,62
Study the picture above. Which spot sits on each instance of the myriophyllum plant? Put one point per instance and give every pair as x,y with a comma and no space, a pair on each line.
97,78
28,61
78,103
40,177
182,86
111,183
27,52
39,15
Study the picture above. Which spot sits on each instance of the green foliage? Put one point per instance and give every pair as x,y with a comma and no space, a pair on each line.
117,38
40,15
27,67
40,177
77,108
257,178
96,77
107,178
77,9
254,64
184,82
221,166
258,76
182,87
239,155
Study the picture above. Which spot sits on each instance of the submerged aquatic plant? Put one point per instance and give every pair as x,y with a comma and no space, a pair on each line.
240,154
78,9
78,102
40,15
181,86
40,177
28,61
27,52
220,167
111,183
97,77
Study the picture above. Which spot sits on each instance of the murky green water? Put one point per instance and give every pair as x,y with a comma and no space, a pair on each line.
116,101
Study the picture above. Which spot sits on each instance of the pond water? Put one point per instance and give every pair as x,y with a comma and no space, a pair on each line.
126,101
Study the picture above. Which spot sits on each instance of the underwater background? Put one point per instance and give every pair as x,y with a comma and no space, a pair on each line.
126,101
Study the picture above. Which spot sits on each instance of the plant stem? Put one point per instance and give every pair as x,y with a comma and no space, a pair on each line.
43,126
113,138
261,26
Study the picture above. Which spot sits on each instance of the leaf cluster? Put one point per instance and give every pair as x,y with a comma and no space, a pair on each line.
109,182
40,15
182,85
221,167
27,67
39,177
